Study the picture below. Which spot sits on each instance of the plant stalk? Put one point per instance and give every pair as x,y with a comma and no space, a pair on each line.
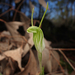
40,63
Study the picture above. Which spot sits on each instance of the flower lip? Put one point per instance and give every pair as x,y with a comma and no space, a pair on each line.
30,30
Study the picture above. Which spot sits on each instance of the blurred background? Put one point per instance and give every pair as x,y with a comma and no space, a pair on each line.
58,25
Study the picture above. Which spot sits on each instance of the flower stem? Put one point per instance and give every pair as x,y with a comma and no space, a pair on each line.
40,63
43,15
32,17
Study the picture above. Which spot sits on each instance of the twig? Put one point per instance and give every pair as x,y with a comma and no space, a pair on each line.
9,9
3,20
56,60
6,12
67,59
11,63
6,4
60,50
17,9
26,40
68,49
23,42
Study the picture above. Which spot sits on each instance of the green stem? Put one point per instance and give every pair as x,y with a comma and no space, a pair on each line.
32,17
40,63
43,15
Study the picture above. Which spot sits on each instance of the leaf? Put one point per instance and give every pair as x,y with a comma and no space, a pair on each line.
26,22
54,62
12,27
6,67
24,18
5,33
37,73
4,45
31,67
55,74
43,3
15,24
31,5
27,46
73,73
47,43
15,55
47,58
48,61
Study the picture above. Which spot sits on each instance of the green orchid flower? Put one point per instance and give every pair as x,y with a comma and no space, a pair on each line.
38,39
